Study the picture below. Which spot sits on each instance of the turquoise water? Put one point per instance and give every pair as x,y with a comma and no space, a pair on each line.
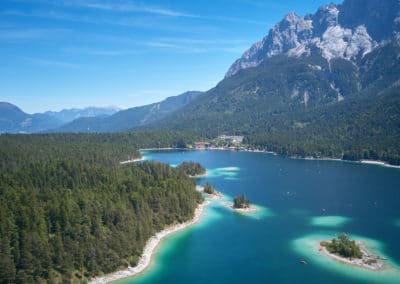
300,202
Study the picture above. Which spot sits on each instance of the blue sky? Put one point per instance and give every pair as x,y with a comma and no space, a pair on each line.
57,54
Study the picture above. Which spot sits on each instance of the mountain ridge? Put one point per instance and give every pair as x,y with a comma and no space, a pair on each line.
347,31
68,115
270,96
132,117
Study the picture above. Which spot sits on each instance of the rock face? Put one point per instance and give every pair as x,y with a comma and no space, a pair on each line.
346,31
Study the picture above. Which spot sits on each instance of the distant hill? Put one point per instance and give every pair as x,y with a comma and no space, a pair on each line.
130,118
68,115
14,120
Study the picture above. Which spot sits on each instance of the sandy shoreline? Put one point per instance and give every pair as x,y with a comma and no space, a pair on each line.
162,149
149,249
250,209
217,195
379,163
132,161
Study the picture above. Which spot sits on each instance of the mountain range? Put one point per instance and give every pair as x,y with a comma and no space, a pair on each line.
14,120
90,119
132,117
326,84
341,52
68,115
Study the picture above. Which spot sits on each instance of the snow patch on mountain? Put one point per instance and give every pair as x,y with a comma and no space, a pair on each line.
324,33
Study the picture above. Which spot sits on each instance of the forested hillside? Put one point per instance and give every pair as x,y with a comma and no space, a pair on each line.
306,106
351,130
69,211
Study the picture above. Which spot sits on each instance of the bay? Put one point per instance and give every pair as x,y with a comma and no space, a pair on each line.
301,201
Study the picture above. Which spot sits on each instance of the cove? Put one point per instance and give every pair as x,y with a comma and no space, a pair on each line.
304,199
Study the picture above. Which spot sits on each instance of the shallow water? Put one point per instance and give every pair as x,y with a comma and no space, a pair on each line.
300,201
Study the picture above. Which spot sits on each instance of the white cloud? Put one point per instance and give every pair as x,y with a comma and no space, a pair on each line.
51,63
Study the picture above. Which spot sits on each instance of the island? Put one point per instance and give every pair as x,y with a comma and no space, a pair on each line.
351,252
241,204
192,169
209,190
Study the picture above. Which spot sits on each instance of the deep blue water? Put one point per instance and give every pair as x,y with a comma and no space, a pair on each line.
227,247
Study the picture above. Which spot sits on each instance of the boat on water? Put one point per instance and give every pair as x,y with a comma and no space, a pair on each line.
303,262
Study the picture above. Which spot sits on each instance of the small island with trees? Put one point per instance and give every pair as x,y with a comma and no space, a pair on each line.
351,252
241,204
209,190
192,169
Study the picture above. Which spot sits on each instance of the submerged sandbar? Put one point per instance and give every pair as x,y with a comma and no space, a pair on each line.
329,221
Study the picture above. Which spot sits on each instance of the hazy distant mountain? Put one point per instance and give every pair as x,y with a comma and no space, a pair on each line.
68,115
130,118
14,120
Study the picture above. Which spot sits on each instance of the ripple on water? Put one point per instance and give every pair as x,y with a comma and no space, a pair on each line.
308,247
329,221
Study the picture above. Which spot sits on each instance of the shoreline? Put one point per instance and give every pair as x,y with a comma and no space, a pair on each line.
366,162
379,163
150,248
162,149
217,195
368,260
132,161
251,209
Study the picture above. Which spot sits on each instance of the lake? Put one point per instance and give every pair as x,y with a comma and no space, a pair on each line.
302,201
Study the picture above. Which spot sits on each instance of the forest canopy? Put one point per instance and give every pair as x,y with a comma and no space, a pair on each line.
192,168
69,211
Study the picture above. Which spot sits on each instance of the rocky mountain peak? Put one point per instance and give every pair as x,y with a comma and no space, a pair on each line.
325,17
291,17
346,31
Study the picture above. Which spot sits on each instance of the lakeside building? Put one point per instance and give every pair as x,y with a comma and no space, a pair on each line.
231,139
202,145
